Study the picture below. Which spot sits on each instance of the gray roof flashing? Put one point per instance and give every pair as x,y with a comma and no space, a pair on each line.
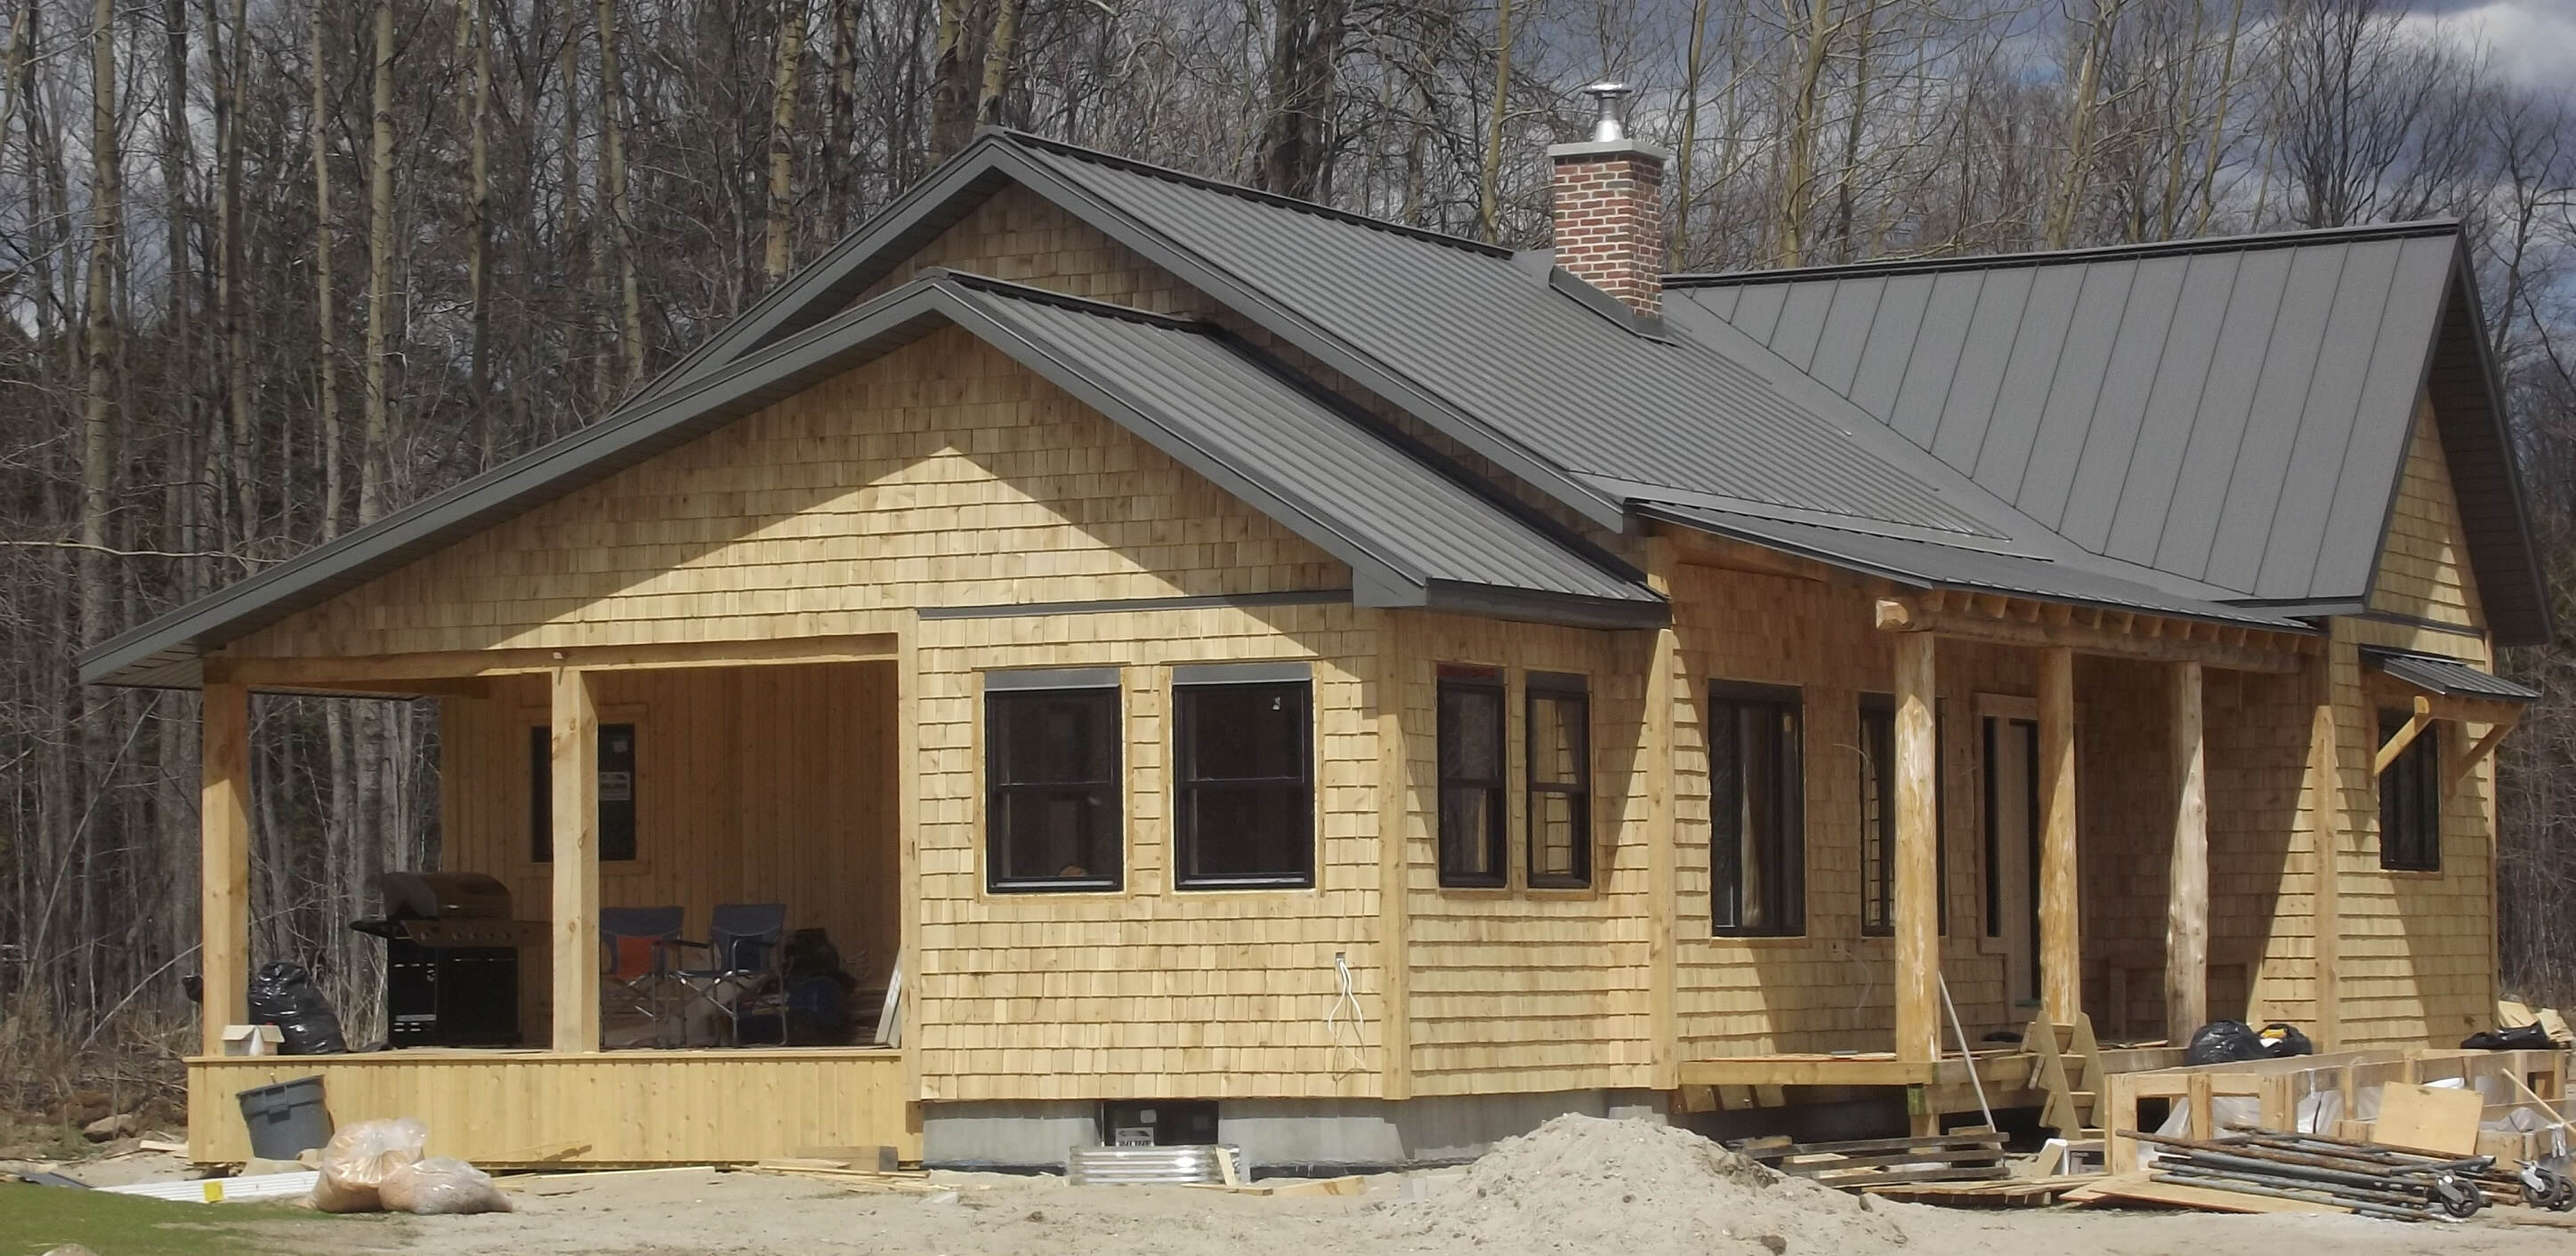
2253,242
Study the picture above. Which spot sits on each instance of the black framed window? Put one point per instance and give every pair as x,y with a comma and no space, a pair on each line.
1472,847
1243,777
616,793
1560,782
1878,817
1052,804
1758,831
2410,800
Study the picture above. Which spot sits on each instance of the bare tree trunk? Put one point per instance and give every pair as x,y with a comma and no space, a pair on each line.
1676,239
98,330
326,333
998,52
621,217
478,231
376,455
1806,106
1305,59
1488,213
952,104
782,126
228,279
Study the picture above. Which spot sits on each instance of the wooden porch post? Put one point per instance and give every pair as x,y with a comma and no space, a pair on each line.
224,851
2187,881
2061,945
2325,842
1918,864
574,747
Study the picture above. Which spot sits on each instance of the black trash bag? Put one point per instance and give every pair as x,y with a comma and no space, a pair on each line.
2280,1041
2519,1038
284,995
2225,1042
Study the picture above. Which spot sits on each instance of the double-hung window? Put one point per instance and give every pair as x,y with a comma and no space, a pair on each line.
1560,782
616,793
1243,776
1472,851
2410,800
1051,773
1758,831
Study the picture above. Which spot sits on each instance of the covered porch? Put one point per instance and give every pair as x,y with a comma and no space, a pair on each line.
683,778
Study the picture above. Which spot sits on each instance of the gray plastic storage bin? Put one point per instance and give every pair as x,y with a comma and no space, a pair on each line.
286,1119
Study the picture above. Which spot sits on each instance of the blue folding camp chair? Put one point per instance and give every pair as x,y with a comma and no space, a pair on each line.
741,974
635,964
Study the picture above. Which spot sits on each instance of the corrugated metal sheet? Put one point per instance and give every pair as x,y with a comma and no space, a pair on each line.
1538,369
1415,531
2447,676
2234,412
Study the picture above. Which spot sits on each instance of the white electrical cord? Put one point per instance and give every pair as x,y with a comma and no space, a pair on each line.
1345,998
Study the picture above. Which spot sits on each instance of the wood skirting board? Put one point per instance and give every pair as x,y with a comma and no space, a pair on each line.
506,1109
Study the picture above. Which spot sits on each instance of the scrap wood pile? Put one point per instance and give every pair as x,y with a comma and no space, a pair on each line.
1974,1155
2319,1172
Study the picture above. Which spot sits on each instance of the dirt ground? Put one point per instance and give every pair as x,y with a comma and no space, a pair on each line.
1595,1188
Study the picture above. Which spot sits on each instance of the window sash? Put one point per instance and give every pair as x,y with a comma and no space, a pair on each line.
1472,841
2410,801
1758,835
1558,808
1201,800
1877,819
1055,805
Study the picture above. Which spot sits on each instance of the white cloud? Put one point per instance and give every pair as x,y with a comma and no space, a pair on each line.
2533,42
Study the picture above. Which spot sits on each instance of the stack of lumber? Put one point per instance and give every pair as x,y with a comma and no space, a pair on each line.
2018,1192
2266,1171
1964,1156
858,1177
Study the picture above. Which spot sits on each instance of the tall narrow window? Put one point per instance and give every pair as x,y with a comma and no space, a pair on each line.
1560,782
616,793
1878,818
1243,777
1053,806
1758,829
1877,815
1472,853
2410,800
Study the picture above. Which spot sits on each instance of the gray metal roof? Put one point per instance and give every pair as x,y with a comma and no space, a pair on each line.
1415,529
2235,412
2447,676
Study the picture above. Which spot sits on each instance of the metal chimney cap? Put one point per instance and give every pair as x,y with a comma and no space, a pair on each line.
1608,124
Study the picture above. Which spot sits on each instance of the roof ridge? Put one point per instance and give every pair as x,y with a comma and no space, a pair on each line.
2242,243
1244,192
1064,300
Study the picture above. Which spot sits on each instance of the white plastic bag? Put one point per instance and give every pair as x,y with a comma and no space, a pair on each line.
358,1158
441,1186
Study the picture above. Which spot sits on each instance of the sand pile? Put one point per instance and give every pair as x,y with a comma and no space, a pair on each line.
1628,1188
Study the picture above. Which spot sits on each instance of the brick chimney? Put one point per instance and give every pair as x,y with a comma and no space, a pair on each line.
1609,208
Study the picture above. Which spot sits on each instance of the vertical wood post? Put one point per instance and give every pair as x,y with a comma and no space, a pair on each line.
574,748
2325,843
1663,1019
2061,944
224,851
1917,902
1395,800
2187,880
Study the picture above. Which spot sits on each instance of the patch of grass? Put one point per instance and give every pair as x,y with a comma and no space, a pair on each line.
35,1219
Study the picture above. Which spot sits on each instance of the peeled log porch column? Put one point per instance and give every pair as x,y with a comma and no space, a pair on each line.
574,767
2061,941
2187,881
1918,864
223,847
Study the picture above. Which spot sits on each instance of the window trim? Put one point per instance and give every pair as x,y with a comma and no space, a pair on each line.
1007,686
1556,687
2420,850
1882,706
1296,676
1790,843
1470,679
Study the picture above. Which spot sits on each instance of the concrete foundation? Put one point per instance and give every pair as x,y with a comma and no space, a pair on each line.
1303,1136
